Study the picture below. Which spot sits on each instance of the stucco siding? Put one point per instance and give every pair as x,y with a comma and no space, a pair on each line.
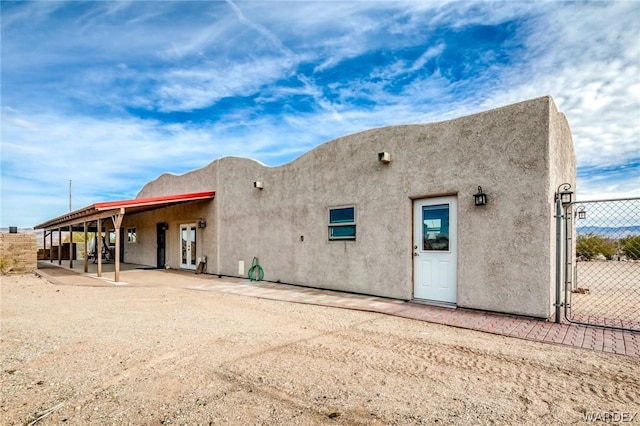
203,179
504,248
562,169
144,250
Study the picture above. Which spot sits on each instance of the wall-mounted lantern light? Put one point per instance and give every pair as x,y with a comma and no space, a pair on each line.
384,157
564,194
581,213
202,223
480,198
258,185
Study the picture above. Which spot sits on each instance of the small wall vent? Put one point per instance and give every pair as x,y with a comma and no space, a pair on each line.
384,157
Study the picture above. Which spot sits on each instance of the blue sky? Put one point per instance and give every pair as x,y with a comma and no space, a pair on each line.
111,94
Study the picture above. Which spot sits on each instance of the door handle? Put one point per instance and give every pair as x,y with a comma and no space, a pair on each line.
416,254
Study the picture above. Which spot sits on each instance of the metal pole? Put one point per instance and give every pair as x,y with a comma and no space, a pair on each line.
567,219
69,194
558,257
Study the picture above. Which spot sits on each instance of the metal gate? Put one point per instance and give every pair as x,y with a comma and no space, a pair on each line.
602,263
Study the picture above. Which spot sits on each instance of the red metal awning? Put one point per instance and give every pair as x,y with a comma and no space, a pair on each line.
154,201
136,205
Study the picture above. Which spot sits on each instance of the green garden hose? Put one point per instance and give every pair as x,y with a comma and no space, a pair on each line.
256,269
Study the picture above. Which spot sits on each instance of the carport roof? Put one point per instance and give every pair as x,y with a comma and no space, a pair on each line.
110,208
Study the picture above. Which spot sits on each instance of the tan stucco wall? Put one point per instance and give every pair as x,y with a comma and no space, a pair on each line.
144,250
504,249
562,169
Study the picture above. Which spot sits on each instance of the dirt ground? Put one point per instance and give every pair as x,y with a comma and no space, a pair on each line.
152,356
610,289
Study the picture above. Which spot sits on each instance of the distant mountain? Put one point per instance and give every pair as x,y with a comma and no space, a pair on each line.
611,232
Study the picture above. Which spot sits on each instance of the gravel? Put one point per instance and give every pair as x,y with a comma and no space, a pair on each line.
79,355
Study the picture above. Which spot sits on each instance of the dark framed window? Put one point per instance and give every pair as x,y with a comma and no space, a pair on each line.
342,223
132,235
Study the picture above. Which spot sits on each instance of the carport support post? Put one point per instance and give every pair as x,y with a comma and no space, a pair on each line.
51,246
558,256
86,255
117,266
117,223
60,246
70,246
99,249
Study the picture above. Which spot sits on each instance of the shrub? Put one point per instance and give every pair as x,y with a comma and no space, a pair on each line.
631,247
591,245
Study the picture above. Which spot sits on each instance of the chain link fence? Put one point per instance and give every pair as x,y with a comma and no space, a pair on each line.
603,279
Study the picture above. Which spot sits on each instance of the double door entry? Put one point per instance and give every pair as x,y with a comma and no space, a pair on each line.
188,246
435,250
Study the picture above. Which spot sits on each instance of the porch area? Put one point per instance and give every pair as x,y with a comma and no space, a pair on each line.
103,254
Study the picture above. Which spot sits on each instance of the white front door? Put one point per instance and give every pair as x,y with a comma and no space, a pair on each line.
435,249
188,246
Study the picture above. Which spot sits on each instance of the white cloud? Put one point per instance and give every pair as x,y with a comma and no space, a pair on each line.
69,86
592,69
194,88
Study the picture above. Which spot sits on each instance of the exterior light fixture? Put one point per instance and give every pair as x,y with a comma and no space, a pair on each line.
480,198
581,213
564,194
258,185
384,157
202,223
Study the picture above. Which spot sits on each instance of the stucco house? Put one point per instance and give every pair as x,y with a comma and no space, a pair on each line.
387,212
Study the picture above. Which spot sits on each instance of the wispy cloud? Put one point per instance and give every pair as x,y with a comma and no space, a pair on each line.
187,82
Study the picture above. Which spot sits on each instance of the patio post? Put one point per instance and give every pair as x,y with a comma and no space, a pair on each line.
86,254
60,246
70,246
99,248
117,223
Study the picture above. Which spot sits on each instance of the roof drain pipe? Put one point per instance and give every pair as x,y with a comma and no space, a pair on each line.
256,273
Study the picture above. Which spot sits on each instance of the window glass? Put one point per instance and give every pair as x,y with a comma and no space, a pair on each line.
343,232
132,236
342,215
193,244
342,224
184,245
435,227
